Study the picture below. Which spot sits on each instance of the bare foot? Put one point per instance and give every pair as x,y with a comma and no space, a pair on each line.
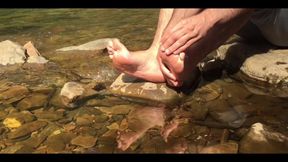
140,64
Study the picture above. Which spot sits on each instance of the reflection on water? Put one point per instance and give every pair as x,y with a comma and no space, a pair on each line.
214,118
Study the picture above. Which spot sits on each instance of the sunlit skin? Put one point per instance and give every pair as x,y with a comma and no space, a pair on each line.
183,38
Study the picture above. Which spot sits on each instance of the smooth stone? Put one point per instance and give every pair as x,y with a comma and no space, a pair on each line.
107,102
262,139
32,101
11,149
3,114
84,141
70,92
11,53
84,120
132,87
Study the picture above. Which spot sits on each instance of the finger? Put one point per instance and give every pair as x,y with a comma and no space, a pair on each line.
179,43
183,48
166,72
171,40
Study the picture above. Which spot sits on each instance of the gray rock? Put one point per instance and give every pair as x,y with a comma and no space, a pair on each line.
131,87
98,44
11,53
262,139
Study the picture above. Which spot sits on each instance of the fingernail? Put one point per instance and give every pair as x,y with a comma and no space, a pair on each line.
167,51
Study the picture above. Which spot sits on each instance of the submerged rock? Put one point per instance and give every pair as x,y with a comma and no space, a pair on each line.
33,101
98,44
70,92
262,139
26,129
13,94
84,141
223,148
11,53
134,88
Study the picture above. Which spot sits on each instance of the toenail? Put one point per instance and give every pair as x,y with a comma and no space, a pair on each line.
162,49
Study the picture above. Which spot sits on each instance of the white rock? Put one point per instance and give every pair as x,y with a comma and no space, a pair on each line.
11,53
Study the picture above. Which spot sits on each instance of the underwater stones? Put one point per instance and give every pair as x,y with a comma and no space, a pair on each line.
70,92
262,139
223,148
116,110
51,116
84,141
128,86
13,94
3,114
98,44
11,53
26,129
57,143
33,101
222,111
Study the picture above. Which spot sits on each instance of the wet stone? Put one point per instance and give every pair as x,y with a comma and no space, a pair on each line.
223,148
222,111
3,114
70,92
197,110
84,141
131,87
11,149
84,119
107,102
51,116
57,143
86,130
208,92
263,139
26,129
13,94
20,118
33,101
117,110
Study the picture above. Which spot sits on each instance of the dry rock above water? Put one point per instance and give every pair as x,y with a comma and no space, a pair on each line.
262,67
12,53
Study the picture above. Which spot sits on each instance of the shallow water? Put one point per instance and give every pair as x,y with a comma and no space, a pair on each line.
215,113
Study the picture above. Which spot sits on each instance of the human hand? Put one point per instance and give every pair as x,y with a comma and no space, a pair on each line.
188,31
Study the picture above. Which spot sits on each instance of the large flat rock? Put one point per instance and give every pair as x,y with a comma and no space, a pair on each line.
128,86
